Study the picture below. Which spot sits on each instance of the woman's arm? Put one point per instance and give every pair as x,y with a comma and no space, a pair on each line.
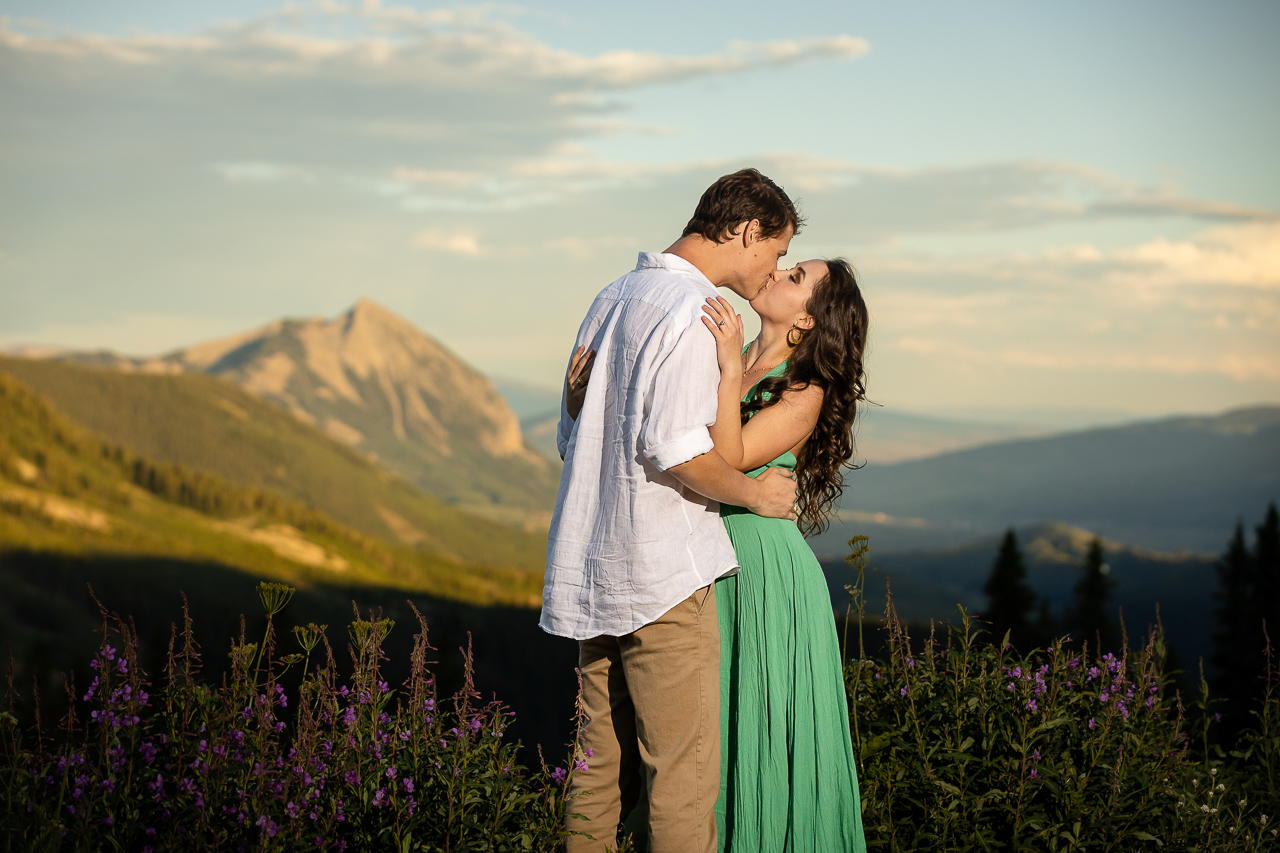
726,432
771,432
784,426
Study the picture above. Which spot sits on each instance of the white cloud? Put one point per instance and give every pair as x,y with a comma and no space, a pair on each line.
463,47
458,243
1234,255
1203,308
1245,255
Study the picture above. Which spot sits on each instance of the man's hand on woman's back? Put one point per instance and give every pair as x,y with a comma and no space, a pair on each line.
772,494
776,489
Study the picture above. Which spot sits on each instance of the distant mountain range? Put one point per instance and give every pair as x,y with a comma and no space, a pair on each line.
370,380
376,383
883,435
1172,484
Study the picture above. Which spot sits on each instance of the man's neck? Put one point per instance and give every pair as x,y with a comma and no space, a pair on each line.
714,260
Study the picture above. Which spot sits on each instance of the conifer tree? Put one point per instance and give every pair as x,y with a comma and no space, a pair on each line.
1046,626
1235,674
1092,622
1266,579
1009,598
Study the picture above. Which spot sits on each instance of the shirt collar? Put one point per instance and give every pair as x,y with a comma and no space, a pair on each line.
666,260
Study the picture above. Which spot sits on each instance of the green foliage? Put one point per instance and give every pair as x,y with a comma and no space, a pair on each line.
112,510
964,744
355,766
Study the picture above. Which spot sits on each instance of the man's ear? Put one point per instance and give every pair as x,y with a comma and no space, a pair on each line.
750,233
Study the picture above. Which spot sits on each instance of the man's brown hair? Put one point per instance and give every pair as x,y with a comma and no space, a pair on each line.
742,197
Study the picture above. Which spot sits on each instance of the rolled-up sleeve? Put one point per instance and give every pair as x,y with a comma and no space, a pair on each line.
682,400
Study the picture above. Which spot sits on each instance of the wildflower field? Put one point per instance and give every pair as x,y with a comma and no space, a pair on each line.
963,744
342,765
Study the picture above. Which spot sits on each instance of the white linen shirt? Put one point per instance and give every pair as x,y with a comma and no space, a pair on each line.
629,541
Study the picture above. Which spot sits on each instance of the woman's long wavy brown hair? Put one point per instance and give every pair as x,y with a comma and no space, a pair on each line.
829,356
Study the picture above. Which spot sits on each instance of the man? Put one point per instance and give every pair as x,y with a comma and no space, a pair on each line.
636,541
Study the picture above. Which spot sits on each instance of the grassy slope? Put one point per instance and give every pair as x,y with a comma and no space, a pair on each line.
65,491
208,424
76,510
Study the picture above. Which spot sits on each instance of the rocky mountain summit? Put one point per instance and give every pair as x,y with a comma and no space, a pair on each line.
374,381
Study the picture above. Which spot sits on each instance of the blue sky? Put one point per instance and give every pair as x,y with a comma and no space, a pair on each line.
1065,208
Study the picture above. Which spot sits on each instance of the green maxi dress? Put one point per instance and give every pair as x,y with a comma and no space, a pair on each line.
787,777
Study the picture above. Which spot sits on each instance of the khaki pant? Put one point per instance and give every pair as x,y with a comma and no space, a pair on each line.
653,702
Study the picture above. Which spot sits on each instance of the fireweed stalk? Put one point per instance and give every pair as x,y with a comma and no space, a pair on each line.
363,766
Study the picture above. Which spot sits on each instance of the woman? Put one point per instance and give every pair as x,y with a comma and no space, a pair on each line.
788,781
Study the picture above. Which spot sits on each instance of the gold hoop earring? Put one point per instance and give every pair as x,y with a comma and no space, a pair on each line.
800,333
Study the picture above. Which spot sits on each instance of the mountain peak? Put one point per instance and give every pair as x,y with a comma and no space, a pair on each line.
375,381
366,309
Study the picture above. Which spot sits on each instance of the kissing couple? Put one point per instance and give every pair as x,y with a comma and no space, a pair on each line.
694,466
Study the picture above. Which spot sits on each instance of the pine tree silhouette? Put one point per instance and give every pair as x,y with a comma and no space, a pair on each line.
1235,674
1092,622
1266,580
1009,598
1046,626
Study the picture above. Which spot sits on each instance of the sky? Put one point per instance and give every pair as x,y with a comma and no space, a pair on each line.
1059,212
